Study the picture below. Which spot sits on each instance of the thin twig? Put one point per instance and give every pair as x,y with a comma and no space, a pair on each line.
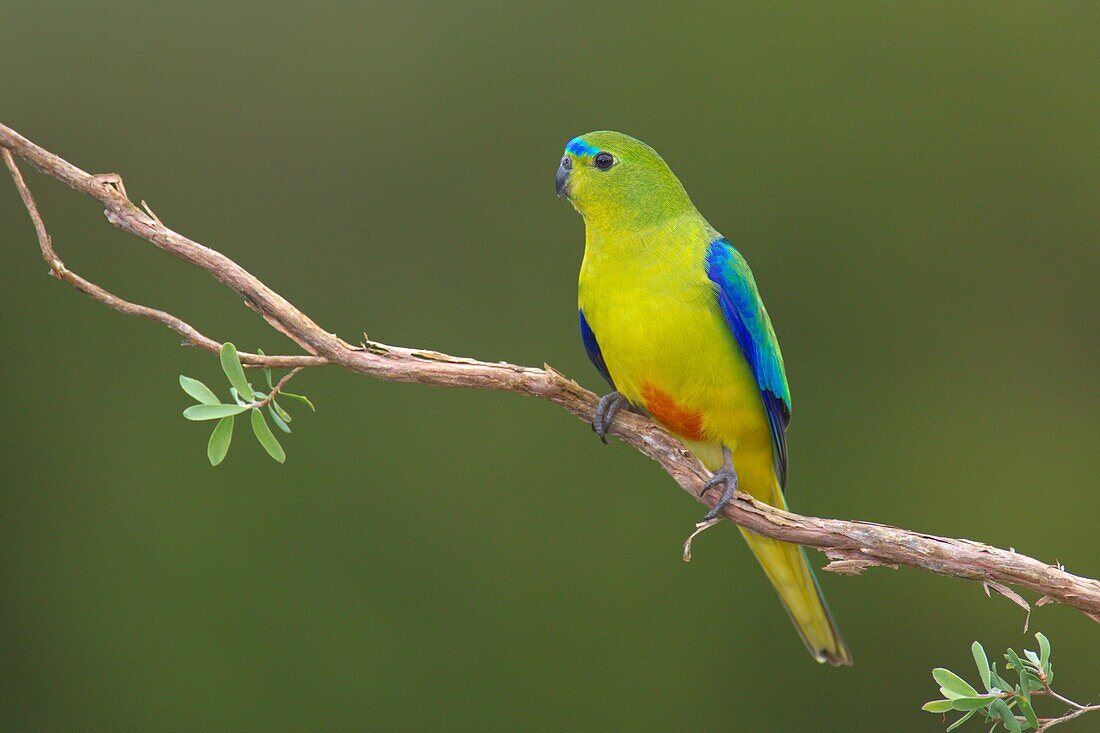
277,388
856,545
1048,723
191,335
1065,700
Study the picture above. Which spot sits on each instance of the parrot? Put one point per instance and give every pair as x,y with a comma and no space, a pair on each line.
671,317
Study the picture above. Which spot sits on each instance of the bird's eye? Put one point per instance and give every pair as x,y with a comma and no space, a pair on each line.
604,161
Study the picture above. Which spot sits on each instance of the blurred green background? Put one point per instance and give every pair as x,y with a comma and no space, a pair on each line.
915,185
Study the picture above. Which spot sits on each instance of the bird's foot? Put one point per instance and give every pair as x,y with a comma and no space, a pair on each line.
724,475
608,406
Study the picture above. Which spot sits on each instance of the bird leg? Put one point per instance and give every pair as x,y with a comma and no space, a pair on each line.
724,475
608,405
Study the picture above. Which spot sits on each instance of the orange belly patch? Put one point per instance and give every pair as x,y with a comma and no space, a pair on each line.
663,408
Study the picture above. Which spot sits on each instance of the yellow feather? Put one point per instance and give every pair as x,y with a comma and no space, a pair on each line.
646,296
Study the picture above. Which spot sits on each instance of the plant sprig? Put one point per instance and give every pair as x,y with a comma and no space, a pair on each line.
245,399
1006,705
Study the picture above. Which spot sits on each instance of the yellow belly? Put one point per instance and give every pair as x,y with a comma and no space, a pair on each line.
668,349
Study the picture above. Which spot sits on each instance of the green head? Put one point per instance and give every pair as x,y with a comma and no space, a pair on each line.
614,180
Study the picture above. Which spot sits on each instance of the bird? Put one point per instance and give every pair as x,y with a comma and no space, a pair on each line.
671,316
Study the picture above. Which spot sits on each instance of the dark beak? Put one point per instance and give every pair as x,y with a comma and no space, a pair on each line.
561,180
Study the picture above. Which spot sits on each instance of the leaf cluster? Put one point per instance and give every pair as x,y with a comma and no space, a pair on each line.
244,399
1007,705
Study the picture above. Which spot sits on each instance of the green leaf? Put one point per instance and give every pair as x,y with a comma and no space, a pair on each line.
220,440
279,422
236,397
1023,690
1000,708
198,391
267,371
960,721
998,681
1029,712
951,685
982,662
937,706
212,412
1023,693
300,398
1032,657
231,365
972,703
282,413
1028,680
266,437
1044,652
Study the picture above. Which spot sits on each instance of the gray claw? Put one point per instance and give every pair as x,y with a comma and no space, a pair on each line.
608,406
724,475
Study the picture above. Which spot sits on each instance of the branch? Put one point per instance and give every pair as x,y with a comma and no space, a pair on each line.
852,545
191,335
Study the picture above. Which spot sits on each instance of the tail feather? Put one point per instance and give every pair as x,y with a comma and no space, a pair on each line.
789,571
785,564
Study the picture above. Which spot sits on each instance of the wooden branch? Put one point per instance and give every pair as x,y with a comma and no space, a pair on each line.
191,335
852,545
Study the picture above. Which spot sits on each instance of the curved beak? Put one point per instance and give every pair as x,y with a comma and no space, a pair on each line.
561,180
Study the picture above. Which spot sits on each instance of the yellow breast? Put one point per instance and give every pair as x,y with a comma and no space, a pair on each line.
667,346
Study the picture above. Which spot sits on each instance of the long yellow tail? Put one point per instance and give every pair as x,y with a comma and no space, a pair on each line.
790,573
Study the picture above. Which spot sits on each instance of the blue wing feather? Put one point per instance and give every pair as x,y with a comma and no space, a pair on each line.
593,348
752,329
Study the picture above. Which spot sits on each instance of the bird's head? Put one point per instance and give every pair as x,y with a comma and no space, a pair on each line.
613,179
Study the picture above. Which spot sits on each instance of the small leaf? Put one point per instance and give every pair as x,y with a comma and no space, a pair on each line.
1023,690
279,422
266,437
998,681
282,413
198,391
1023,693
220,440
937,706
1044,652
960,721
972,703
1020,669
236,397
1000,708
212,412
267,371
1029,712
300,398
982,662
231,365
951,685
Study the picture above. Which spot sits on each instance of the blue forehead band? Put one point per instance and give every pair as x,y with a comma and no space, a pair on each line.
577,146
